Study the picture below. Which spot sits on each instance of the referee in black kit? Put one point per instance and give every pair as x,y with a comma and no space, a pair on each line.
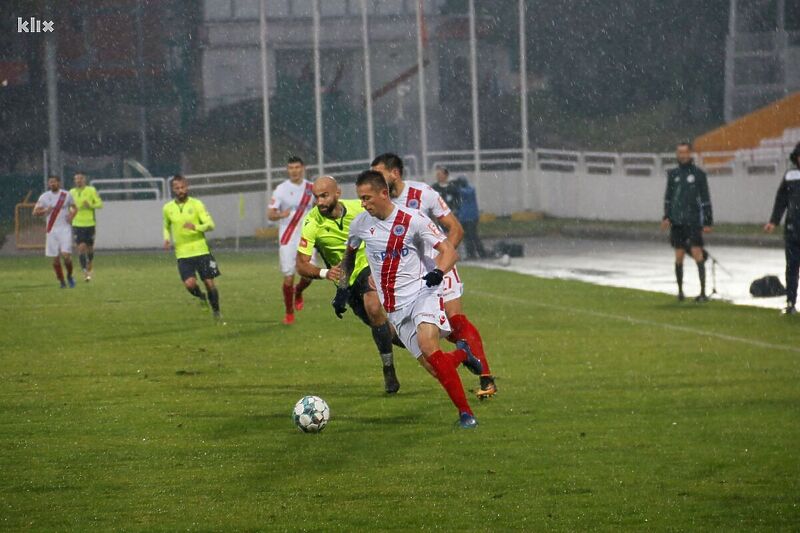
687,213
788,200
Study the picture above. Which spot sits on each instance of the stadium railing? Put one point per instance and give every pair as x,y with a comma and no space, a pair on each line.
762,161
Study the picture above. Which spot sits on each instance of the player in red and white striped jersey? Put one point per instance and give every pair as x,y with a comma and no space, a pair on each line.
397,245
57,207
291,201
420,196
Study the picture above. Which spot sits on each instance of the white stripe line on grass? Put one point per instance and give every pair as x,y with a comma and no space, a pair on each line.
642,322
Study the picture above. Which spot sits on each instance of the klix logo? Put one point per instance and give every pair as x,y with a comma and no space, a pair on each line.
34,25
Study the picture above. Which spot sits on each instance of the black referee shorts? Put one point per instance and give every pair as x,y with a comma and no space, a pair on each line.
686,237
204,265
361,286
84,235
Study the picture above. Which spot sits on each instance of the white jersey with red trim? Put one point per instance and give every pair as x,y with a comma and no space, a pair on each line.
299,200
421,196
59,203
398,252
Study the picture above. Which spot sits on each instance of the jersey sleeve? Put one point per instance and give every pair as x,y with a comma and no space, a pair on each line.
354,239
206,223
308,237
433,203
166,226
275,202
96,202
40,202
427,230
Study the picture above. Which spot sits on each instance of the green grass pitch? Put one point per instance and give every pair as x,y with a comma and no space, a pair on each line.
123,407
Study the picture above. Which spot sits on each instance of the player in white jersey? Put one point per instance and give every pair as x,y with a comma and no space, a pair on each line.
57,207
421,196
397,245
291,201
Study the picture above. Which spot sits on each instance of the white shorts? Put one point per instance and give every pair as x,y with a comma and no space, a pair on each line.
427,308
452,286
59,241
288,258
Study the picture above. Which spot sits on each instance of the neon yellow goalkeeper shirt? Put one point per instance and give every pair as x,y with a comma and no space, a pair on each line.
188,242
84,218
329,236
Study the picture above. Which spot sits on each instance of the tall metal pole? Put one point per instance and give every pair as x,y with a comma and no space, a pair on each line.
318,90
145,153
473,70
423,116
51,70
730,63
523,103
265,97
367,81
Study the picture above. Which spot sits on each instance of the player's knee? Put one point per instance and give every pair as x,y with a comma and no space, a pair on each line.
190,283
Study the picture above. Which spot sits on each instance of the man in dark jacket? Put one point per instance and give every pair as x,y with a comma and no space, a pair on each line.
469,216
447,189
687,213
788,200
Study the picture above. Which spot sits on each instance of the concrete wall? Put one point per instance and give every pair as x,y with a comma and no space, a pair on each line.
138,224
740,198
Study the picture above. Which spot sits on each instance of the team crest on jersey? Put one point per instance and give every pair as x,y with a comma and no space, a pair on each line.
372,231
690,178
413,203
399,229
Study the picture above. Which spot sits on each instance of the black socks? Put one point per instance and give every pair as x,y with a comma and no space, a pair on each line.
679,275
701,271
213,298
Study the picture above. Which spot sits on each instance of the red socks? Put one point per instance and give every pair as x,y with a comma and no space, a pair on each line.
288,299
59,271
464,330
445,365
301,286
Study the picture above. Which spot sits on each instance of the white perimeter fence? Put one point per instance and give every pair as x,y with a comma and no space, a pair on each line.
560,183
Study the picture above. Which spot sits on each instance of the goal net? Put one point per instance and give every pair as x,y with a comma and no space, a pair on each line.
29,230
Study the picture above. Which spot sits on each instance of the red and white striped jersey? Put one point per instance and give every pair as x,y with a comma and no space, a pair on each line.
299,200
398,252
60,203
421,196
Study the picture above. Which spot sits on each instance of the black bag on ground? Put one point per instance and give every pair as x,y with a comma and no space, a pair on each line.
767,286
512,249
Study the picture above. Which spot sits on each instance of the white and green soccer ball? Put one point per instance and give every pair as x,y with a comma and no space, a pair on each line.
311,414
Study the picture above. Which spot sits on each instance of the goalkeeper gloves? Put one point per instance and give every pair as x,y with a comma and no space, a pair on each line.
339,302
433,278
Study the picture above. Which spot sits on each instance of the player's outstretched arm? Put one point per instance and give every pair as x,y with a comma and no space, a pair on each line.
447,257
454,229
339,302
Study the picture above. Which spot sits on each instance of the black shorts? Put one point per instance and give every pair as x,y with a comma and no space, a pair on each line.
686,237
205,265
361,286
84,235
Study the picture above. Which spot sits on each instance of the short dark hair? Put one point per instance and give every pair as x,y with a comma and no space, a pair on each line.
687,144
294,159
794,157
390,161
178,177
373,179
54,177
443,169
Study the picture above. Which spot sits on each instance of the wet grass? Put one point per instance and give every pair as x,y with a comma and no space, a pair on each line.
123,407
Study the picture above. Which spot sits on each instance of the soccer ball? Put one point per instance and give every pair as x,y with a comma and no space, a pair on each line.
311,414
